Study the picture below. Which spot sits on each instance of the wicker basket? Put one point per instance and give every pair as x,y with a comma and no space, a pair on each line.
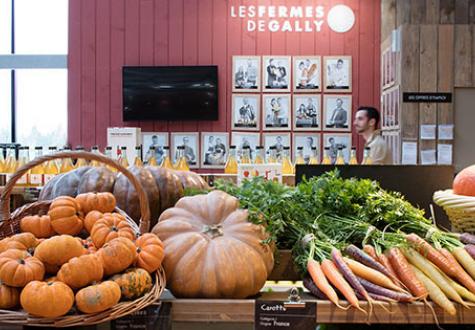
459,209
10,224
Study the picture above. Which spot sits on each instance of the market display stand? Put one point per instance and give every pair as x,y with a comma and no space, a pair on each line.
242,311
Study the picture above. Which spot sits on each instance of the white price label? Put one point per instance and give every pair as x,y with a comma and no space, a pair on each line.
48,178
36,179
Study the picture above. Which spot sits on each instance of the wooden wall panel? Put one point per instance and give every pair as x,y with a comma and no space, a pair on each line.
447,11
432,13
428,79
418,10
410,80
106,35
463,55
471,11
403,12
445,70
462,12
388,14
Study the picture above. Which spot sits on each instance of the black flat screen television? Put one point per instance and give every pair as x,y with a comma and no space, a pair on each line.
170,93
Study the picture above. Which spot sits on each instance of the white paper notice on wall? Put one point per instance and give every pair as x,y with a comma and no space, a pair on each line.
428,157
446,132
444,154
428,132
409,153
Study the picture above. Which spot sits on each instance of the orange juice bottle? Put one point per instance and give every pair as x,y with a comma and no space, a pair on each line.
108,154
51,168
80,162
95,163
353,159
340,158
23,158
152,159
37,172
10,163
123,157
166,161
259,155
66,163
182,164
327,160
272,157
366,157
287,167
246,155
231,166
3,167
314,157
138,156
299,160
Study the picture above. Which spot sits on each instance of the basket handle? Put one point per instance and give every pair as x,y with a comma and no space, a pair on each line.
144,225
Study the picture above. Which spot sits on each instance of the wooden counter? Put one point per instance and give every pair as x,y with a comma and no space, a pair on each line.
242,311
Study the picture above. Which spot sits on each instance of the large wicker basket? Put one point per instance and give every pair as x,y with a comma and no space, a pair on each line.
10,224
459,209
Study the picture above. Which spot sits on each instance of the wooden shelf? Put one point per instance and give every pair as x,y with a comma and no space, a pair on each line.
242,311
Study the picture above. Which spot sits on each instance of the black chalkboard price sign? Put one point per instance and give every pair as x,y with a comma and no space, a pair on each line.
273,315
153,317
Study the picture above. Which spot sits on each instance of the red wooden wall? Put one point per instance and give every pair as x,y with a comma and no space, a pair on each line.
104,35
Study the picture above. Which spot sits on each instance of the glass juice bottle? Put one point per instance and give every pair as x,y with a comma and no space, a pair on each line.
152,160
246,155
366,157
37,172
66,163
353,159
95,163
287,166
182,164
314,157
340,158
23,158
259,155
80,162
300,160
10,163
166,161
272,158
231,166
51,168
123,157
327,160
138,157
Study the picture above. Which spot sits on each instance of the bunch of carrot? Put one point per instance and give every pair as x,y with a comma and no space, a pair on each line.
406,273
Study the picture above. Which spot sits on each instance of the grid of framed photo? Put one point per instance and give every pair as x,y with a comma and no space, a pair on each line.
390,114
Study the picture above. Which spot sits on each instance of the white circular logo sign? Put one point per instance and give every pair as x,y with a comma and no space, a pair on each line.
341,18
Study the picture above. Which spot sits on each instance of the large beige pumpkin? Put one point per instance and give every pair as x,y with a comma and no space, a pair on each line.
211,250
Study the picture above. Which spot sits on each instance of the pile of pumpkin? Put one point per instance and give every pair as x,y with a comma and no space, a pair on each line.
51,266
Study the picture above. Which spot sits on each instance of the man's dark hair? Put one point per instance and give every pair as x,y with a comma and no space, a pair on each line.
372,113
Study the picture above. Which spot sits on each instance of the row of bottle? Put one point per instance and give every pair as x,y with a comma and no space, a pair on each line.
42,174
288,167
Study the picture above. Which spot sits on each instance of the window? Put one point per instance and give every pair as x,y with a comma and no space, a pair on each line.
33,89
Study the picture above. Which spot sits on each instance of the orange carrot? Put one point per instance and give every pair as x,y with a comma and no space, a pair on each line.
335,278
461,275
406,273
315,271
431,254
383,260
369,249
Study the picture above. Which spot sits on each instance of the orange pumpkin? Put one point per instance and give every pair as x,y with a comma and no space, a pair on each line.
40,226
110,226
81,271
464,182
134,282
102,202
117,255
9,296
91,219
47,299
98,298
18,268
88,245
58,250
65,216
150,252
22,241
212,250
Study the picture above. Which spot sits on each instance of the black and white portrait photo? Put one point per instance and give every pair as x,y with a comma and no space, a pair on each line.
307,73
276,109
245,139
152,145
334,142
278,141
214,149
337,73
246,111
190,143
337,112
246,73
307,141
276,73
306,111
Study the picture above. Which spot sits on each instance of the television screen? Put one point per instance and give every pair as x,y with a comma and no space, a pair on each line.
170,93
